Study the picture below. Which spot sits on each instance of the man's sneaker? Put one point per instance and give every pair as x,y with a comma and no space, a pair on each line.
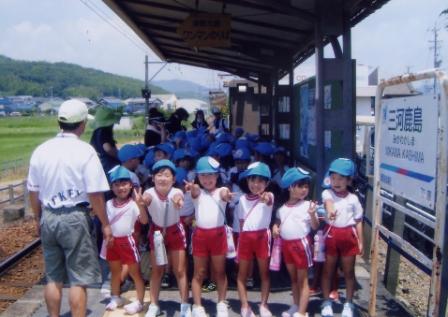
198,311
133,308
264,311
348,310
222,309
153,311
247,312
165,281
185,310
334,295
250,283
326,309
114,303
290,312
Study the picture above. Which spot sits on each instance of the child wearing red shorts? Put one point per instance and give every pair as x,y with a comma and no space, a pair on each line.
294,222
343,233
123,212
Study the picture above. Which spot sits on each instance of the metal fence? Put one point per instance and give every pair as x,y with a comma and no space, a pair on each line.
8,193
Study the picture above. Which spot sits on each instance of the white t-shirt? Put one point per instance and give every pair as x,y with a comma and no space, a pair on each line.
188,208
129,211
209,209
295,221
63,170
349,209
158,208
260,213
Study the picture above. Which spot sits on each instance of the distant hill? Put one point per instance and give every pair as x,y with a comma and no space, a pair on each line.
184,88
64,80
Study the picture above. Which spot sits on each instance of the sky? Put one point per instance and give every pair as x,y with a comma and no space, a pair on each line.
86,32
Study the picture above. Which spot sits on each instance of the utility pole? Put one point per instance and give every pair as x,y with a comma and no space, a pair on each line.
146,93
436,47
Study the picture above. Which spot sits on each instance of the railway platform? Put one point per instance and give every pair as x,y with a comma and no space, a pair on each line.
33,305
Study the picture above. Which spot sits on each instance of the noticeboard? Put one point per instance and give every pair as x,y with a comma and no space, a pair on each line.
206,30
408,154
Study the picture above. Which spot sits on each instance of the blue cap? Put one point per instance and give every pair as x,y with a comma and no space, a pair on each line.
264,148
242,142
179,154
207,164
165,147
128,152
343,166
239,131
257,169
162,164
181,175
293,175
182,135
142,147
149,158
223,149
119,173
242,154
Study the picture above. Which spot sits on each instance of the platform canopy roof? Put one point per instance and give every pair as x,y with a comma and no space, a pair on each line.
265,35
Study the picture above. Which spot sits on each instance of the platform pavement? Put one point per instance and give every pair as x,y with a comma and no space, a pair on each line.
32,304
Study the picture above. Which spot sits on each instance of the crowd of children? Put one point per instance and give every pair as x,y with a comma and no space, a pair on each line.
195,188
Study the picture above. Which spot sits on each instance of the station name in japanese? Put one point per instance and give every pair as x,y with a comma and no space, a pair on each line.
405,119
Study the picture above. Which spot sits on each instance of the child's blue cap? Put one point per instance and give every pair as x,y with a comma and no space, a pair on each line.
129,152
242,142
181,135
119,173
179,154
343,166
207,164
239,131
164,164
181,175
141,147
293,175
149,158
264,148
257,169
242,154
165,147
223,149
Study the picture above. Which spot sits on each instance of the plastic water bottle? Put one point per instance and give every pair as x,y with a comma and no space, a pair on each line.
159,249
276,255
231,251
319,247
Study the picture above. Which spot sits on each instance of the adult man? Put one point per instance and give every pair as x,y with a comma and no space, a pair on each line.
65,175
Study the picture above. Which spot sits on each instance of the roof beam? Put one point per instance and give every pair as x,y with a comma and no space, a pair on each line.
277,6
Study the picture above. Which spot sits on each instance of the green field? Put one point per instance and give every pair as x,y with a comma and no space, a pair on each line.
19,136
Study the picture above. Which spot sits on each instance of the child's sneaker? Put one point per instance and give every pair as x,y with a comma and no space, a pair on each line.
133,308
326,309
247,312
222,309
297,314
293,309
185,310
114,303
198,311
153,311
105,291
264,311
348,310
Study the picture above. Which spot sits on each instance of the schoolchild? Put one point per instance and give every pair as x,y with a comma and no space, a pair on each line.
184,158
129,156
343,233
163,151
164,202
254,214
123,211
209,241
293,224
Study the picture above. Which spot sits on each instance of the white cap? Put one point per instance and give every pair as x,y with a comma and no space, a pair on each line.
72,111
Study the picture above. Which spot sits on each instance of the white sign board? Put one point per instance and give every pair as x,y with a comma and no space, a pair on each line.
408,154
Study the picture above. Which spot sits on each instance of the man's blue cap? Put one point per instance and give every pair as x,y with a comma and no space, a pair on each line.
293,175
119,173
165,147
207,164
343,166
181,175
264,148
257,169
149,157
128,152
223,149
162,164
242,154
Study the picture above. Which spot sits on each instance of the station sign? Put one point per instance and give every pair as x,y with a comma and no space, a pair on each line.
408,154
206,30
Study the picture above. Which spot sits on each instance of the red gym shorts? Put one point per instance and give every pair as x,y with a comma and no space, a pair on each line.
256,243
298,252
209,242
341,241
124,249
175,238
